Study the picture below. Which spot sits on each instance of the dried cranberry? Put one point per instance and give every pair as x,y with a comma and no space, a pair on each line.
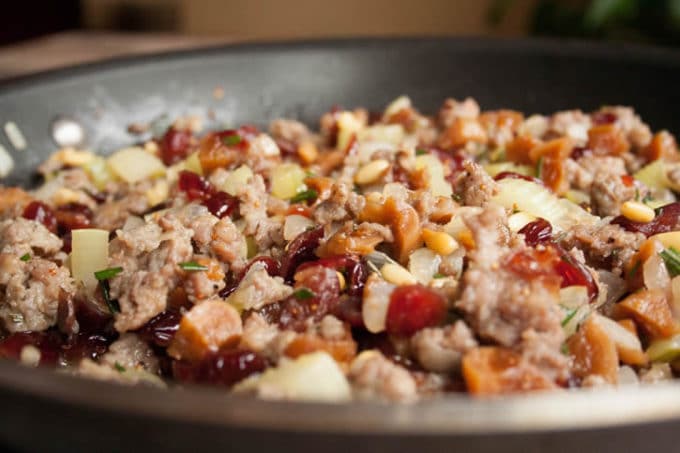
599,118
575,273
515,175
84,345
225,367
537,232
174,145
195,186
48,343
454,162
161,328
40,212
382,342
414,307
93,315
348,309
67,240
667,219
221,204
300,250
73,216
628,180
287,147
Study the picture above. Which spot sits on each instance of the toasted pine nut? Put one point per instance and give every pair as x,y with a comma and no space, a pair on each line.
637,212
30,355
397,275
308,152
439,242
371,172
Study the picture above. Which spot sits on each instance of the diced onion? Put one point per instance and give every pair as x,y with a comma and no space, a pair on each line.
423,263
15,136
436,183
622,338
377,294
134,164
295,225
496,168
99,172
397,105
287,181
348,126
237,179
89,254
310,377
6,162
655,274
653,175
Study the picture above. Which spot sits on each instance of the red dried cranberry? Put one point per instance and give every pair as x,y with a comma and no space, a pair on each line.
270,265
73,216
348,309
515,175
84,345
599,118
161,328
287,147
195,186
300,250
299,209
93,315
537,232
667,219
574,273
67,240
628,180
221,204
353,268
226,367
48,343
454,162
40,212
174,145
414,307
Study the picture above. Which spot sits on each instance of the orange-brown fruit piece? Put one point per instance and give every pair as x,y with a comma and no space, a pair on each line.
651,311
594,352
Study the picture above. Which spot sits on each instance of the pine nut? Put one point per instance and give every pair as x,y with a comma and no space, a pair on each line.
637,212
439,242
371,172
341,280
397,275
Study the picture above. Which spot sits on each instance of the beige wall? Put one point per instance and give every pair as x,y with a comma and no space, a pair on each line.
266,19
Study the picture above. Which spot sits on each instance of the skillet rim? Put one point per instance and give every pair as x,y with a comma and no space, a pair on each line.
462,415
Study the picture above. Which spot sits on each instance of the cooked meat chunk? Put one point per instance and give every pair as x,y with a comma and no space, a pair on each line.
373,376
440,349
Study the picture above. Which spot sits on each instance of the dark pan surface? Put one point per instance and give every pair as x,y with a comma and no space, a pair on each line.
42,411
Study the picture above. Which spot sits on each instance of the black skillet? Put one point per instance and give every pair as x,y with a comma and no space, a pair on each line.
48,412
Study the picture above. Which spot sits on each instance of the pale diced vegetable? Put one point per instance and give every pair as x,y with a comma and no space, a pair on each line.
665,350
397,105
134,164
310,377
392,134
376,301
193,163
158,193
237,179
577,197
527,196
627,343
437,184
98,171
89,254
6,162
348,126
294,225
423,263
519,220
653,175
287,181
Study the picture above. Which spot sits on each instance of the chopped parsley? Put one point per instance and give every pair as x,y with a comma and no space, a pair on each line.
564,349
25,257
634,269
539,168
570,315
232,140
671,257
106,294
107,274
120,368
647,198
309,194
303,294
421,152
192,266
438,275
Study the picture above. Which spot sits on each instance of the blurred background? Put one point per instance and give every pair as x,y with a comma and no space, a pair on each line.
43,34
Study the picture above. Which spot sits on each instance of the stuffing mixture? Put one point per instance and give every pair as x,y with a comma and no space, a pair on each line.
392,256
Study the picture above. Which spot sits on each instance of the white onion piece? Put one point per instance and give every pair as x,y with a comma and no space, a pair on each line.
6,162
627,376
423,263
295,225
622,338
655,274
134,164
377,294
89,254
132,222
573,296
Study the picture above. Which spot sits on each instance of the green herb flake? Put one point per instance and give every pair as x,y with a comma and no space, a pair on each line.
421,152
232,140
107,274
438,275
539,168
647,198
634,269
305,195
570,315
25,257
564,349
304,294
106,294
671,257
192,266
120,368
